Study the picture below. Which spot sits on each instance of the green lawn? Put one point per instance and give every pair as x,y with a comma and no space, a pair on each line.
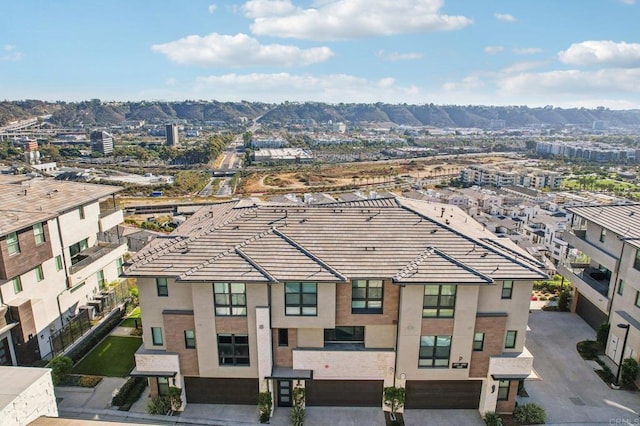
112,358
131,320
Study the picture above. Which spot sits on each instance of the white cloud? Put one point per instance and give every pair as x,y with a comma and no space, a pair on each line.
10,54
574,82
212,8
604,52
493,50
396,56
467,83
527,50
520,67
628,2
505,17
331,88
348,19
238,50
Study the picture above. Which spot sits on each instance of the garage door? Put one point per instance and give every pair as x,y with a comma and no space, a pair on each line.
589,312
201,390
433,394
345,393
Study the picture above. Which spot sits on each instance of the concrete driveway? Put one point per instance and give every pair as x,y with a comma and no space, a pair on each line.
569,390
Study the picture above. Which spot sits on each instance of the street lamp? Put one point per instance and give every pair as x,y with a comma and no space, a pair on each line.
624,344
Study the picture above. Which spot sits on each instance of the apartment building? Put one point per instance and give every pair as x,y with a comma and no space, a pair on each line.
525,177
55,258
606,272
342,299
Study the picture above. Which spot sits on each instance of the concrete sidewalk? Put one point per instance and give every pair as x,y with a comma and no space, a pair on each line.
90,398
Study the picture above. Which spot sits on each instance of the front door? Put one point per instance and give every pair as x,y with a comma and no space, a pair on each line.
284,393
612,349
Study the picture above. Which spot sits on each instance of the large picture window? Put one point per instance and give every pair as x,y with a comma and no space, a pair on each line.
344,334
439,301
233,349
366,297
434,351
75,249
301,299
230,299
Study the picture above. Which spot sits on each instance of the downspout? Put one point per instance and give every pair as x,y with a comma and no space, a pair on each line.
395,366
66,270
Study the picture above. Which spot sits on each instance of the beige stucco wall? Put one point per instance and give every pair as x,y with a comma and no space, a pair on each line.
326,317
380,336
346,365
310,338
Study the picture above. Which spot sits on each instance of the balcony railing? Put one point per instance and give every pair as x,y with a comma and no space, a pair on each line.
92,254
594,278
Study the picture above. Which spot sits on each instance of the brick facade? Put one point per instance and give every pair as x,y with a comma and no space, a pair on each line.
509,405
494,328
30,256
283,355
390,300
175,325
232,325
437,327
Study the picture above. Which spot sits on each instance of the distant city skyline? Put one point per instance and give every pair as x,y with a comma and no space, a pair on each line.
564,53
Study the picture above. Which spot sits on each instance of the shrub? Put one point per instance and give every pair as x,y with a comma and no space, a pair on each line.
89,381
264,406
629,373
61,366
603,334
543,299
491,418
297,415
588,349
159,405
529,414
563,301
130,392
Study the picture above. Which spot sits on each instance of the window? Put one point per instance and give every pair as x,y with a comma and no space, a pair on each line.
39,273
503,390
75,249
636,262
366,297
434,351
478,341
58,263
81,212
162,288
119,265
230,299
163,386
510,340
301,299
156,336
13,246
233,349
603,235
620,287
344,334
38,233
17,285
438,301
507,289
283,337
100,276
637,302
189,339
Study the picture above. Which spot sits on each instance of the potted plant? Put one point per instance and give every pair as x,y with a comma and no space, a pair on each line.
394,399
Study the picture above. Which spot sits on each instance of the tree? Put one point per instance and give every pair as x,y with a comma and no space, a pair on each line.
394,398
60,368
629,373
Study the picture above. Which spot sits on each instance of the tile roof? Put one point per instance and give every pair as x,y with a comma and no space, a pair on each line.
409,241
28,202
623,220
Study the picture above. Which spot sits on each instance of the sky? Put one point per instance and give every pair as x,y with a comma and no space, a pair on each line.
565,53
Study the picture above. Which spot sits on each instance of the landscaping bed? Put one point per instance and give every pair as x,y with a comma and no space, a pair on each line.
133,320
81,380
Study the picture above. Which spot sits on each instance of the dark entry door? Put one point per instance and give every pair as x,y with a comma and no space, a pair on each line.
284,393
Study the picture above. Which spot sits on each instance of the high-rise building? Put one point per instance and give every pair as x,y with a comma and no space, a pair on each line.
172,134
102,142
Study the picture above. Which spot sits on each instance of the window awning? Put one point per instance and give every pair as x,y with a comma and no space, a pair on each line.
509,376
137,373
289,373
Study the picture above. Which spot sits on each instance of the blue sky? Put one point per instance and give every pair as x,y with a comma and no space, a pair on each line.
564,53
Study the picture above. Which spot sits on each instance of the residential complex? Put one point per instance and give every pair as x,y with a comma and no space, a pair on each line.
56,255
342,299
606,272
589,151
529,178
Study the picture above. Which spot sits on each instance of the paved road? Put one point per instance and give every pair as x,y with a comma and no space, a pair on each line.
570,391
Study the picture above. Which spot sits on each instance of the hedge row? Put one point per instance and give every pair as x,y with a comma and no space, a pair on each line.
130,392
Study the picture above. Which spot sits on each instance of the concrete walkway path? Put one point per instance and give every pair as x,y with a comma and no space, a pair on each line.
569,390
90,398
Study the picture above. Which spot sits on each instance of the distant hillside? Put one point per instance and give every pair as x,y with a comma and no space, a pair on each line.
96,113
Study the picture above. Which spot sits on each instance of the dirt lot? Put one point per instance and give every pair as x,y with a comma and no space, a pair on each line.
317,177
